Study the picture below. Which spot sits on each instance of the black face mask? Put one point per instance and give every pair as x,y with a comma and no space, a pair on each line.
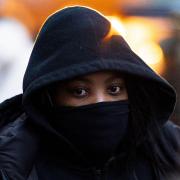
95,129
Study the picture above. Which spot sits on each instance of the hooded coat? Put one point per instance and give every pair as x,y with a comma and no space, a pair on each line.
74,42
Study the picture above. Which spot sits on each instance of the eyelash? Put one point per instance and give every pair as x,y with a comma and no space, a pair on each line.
75,89
120,89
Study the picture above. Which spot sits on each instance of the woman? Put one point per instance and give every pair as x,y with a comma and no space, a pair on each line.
90,108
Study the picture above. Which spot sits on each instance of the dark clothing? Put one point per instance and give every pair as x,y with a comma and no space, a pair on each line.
103,125
21,158
71,43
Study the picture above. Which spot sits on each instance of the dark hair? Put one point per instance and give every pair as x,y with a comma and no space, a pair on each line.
148,136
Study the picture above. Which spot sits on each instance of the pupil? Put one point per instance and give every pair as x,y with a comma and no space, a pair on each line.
79,91
114,89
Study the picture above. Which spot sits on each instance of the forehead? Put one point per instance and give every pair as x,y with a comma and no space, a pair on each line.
94,78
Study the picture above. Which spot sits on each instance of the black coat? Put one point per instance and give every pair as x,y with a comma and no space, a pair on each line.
74,42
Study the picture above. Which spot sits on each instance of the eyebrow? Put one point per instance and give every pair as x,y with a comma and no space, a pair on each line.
114,77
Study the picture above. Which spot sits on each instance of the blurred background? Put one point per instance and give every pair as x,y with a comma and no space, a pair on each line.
152,29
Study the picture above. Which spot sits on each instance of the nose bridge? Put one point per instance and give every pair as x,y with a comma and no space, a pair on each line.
100,96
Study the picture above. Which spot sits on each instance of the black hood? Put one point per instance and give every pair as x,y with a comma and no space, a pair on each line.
74,42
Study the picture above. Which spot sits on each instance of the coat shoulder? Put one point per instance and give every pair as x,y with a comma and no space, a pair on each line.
171,132
19,141
10,109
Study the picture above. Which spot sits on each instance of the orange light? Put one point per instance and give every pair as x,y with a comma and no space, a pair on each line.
140,30
141,36
152,54
117,26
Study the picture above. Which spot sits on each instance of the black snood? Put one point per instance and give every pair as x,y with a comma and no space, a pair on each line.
95,129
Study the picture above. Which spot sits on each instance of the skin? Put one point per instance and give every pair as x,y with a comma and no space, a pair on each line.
91,88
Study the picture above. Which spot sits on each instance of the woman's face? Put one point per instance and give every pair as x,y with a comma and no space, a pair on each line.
91,88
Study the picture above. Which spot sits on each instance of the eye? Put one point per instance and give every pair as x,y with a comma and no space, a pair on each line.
115,89
79,92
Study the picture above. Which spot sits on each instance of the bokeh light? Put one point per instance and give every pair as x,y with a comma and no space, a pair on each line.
142,39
